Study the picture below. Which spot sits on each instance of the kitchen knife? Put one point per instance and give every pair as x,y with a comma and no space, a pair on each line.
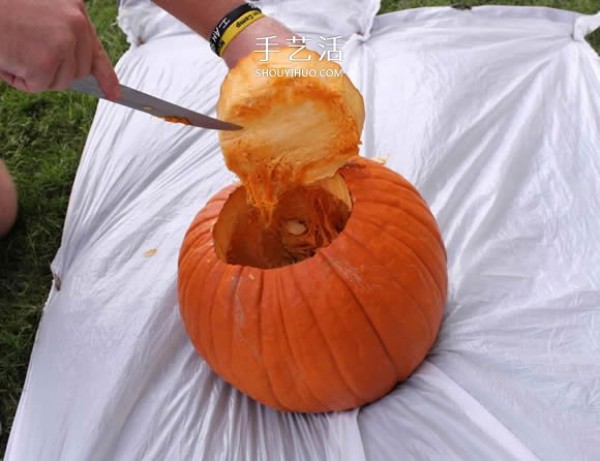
154,106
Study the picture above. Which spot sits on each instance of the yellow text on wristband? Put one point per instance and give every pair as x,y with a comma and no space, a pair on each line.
236,27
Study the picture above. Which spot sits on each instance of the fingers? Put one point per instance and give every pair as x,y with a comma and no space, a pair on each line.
79,63
84,52
103,70
65,74
39,79
75,53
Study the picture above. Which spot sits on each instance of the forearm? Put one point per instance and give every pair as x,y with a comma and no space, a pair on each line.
203,16
199,15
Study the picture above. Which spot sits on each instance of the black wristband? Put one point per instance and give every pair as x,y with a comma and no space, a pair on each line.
216,40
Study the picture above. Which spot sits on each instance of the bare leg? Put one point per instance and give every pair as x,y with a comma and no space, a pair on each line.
8,201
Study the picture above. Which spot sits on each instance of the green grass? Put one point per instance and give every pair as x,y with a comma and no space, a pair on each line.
582,6
41,138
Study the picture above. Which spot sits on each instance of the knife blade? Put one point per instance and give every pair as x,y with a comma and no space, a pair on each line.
154,106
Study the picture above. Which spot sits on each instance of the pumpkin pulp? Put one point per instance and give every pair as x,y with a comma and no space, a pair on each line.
305,219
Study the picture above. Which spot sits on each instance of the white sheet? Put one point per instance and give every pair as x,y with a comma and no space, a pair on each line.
493,113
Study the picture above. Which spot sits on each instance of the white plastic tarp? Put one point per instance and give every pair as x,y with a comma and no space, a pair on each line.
493,113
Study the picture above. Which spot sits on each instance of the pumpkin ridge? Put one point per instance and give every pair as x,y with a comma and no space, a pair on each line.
198,231
220,270
360,308
405,188
382,174
410,211
328,348
234,293
422,310
385,173
206,218
193,234
209,213
261,345
195,238
415,222
426,267
290,348
274,318
194,241
194,313
184,289
351,237
419,307
188,261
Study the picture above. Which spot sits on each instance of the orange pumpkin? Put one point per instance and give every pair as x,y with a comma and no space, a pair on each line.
319,291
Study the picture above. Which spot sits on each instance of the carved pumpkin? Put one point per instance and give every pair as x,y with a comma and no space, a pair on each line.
315,285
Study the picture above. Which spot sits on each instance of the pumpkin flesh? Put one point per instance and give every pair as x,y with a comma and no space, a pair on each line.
297,130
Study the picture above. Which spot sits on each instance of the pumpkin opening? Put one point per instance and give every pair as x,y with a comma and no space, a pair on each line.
305,219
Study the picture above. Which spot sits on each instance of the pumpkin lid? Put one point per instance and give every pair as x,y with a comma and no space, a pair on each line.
302,120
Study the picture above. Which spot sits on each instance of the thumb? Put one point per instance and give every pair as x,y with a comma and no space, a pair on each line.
103,70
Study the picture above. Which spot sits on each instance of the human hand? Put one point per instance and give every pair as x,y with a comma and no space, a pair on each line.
45,45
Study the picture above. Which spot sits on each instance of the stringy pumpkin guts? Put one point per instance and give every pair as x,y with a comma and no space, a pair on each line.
302,121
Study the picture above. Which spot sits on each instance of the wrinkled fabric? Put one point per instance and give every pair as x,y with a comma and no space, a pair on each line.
493,113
